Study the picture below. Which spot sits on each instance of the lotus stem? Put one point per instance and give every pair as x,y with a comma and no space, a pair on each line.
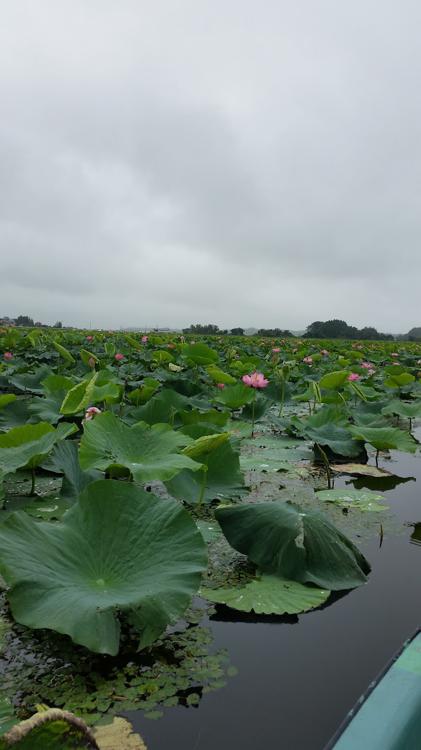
32,492
327,466
203,487
281,406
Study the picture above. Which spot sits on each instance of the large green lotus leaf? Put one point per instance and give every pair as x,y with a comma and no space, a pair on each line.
219,376
64,459
211,416
28,445
235,396
142,394
63,352
200,354
385,438
399,380
15,414
6,398
149,453
408,409
31,381
119,549
110,393
47,409
162,357
80,396
54,383
203,446
162,408
223,478
297,545
328,427
334,380
364,500
269,595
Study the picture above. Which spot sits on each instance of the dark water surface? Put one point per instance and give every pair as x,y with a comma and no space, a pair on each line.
298,677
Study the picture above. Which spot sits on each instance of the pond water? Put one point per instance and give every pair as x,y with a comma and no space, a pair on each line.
299,676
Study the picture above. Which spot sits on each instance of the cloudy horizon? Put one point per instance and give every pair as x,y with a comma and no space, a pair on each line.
179,162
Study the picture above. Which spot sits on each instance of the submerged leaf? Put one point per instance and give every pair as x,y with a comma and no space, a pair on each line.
269,595
350,498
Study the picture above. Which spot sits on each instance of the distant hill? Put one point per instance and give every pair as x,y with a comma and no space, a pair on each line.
414,334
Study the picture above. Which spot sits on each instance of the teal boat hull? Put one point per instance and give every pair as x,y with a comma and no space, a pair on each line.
388,716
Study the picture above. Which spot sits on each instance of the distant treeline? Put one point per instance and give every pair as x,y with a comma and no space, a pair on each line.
211,329
329,329
25,320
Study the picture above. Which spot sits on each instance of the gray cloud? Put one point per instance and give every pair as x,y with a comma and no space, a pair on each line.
179,161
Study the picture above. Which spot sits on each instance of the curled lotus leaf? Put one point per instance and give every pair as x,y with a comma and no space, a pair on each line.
299,545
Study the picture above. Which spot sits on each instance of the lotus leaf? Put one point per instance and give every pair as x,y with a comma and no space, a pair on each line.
119,549
303,546
350,498
269,595
149,453
385,438
29,444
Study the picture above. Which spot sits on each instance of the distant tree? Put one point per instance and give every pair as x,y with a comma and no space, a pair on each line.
339,329
208,329
237,332
58,324
274,333
24,320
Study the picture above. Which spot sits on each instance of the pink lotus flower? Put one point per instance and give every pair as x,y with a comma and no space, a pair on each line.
89,338
91,362
397,364
119,357
371,371
324,352
353,376
276,349
91,412
394,354
366,365
220,385
145,339
7,356
255,380
308,360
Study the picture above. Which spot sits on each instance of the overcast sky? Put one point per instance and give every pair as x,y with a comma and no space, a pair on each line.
225,161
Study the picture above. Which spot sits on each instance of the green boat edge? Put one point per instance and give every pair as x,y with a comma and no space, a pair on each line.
388,715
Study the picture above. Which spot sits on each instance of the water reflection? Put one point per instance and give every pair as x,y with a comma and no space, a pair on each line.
379,484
